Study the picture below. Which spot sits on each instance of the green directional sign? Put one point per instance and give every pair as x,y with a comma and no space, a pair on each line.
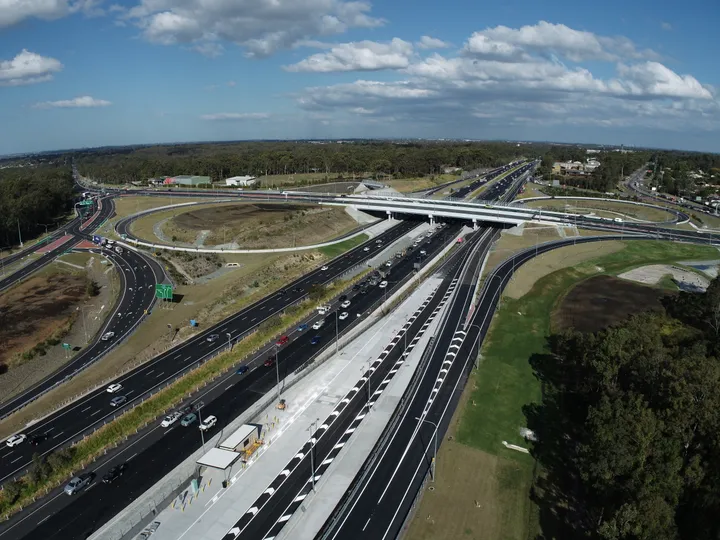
86,203
163,291
66,346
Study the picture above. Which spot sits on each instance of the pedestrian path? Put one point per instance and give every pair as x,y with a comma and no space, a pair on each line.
212,510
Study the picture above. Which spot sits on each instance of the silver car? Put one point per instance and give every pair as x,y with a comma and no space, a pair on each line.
78,483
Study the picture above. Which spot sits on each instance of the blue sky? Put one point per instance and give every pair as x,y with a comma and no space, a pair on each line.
77,73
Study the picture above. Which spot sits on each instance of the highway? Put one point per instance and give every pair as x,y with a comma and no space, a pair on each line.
156,451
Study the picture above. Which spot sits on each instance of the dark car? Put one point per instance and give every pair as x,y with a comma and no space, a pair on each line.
38,439
114,473
342,298
242,369
315,340
356,287
281,292
270,361
187,409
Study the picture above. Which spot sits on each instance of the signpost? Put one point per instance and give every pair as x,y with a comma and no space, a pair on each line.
67,347
163,291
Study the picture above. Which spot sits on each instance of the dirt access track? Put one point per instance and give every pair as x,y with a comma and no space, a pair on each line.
601,301
35,310
263,225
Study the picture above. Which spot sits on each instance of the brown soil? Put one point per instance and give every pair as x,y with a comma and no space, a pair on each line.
601,301
34,310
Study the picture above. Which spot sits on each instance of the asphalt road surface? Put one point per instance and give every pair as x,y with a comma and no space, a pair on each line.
156,451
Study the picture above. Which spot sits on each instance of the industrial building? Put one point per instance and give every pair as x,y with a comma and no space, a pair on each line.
187,180
243,181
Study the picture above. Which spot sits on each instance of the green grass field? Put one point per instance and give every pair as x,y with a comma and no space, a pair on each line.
342,247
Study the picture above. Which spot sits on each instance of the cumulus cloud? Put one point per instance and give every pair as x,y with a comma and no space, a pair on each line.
28,68
507,76
427,42
15,11
235,116
666,26
262,27
359,56
81,102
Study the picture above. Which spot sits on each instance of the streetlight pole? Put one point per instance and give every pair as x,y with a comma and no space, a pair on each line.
202,432
229,336
337,333
19,234
313,429
277,368
432,465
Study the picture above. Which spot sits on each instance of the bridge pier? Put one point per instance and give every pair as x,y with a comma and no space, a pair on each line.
389,215
475,225
432,220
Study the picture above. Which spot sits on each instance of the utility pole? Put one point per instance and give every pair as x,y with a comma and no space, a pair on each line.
19,235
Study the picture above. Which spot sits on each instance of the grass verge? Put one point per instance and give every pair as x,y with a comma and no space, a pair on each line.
342,247
48,474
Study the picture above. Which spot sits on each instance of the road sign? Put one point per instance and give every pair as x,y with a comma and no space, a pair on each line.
163,291
97,239
66,346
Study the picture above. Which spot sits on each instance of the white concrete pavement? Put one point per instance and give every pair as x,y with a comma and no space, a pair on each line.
214,510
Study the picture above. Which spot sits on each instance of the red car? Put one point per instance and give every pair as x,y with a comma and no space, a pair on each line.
270,362
282,341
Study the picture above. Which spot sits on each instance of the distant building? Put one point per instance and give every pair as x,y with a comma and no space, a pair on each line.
187,180
244,181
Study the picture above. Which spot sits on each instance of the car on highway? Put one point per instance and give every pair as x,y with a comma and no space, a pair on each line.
16,439
170,419
423,252
115,387
114,473
318,324
78,483
388,263
342,298
343,315
323,268
38,439
118,401
315,340
188,419
212,337
366,248
108,335
302,327
383,284
345,304
270,361
282,341
242,369
209,422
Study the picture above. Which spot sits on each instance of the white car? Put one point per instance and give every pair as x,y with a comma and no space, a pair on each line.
345,304
209,422
324,268
388,264
16,439
366,248
343,315
108,335
170,419
318,324
115,387
383,284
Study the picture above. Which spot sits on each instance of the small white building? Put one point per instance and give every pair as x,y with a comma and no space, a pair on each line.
243,181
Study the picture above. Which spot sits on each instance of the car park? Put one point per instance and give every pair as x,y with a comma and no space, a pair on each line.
78,483
118,401
318,324
343,315
16,439
108,335
188,419
114,473
345,304
170,419
315,340
282,341
383,284
209,422
212,337
242,369
115,387
302,327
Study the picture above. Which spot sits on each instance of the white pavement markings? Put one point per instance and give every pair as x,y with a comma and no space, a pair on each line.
314,396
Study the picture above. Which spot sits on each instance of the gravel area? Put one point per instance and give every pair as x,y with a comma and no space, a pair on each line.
652,274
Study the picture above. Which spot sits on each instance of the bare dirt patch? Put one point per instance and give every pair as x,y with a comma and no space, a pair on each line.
654,273
601,301
259,226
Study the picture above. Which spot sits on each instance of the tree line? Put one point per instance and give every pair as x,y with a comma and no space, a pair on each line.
627,431
32,197
220,161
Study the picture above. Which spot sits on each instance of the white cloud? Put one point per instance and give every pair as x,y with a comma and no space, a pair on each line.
262,27
359,56
427,42
514,77
81,102
666,26
15,11
235,116
209,49
28,68
231,84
